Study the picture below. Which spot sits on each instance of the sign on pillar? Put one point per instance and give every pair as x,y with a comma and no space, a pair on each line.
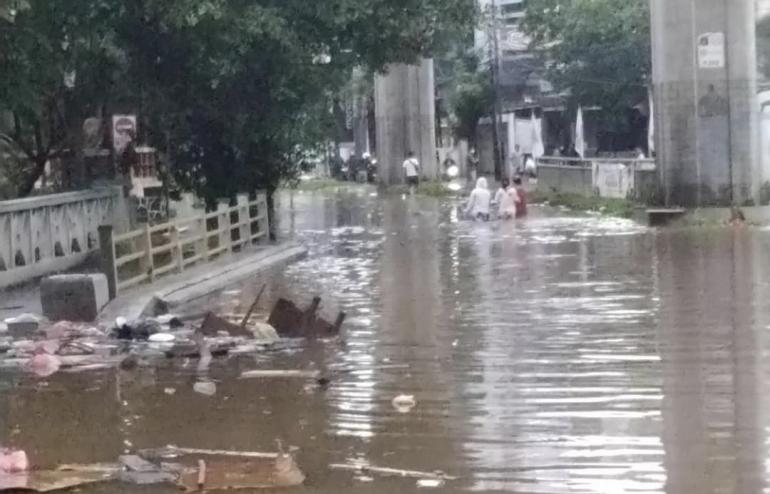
711,51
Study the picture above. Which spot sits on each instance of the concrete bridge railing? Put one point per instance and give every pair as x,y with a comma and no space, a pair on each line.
52,233
621,178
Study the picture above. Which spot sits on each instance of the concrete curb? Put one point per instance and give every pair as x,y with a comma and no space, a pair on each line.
187,288
755,215
236,272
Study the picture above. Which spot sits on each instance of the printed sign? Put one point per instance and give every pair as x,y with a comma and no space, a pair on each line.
711,51
614,180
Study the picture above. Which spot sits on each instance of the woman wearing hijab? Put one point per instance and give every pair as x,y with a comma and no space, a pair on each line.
477,207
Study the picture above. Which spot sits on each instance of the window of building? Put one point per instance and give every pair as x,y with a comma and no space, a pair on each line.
514,9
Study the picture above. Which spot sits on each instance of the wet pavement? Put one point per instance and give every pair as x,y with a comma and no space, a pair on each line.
556,355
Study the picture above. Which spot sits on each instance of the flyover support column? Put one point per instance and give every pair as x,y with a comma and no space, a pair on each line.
705,93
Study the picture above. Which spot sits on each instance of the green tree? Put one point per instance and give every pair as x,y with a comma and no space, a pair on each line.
233,92
596,50
58,63
463,82
471,96
237,90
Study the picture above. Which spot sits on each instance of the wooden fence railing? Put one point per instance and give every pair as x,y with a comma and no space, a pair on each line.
146,254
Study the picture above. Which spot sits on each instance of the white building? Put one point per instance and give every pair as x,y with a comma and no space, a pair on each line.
505,17
521,86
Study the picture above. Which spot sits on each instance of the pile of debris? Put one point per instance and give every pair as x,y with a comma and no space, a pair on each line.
43,348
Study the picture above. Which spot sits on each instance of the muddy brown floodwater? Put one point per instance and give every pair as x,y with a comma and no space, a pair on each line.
555,355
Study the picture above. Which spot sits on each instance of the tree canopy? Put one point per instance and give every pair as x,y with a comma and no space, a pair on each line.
596,50
58,62
471,96
231,91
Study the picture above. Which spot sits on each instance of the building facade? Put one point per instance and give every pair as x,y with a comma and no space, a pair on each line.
530,112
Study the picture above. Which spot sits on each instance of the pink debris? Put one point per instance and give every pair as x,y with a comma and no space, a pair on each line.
13,461
43,365
67,329
60,330
47,346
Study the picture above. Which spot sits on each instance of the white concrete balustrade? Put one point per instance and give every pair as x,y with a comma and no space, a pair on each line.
52,233
619,178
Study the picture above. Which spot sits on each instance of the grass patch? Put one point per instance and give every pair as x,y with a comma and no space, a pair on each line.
435,189
428,189
621,208
320,184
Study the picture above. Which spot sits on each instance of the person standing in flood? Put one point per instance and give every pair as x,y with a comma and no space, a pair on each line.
506,199
412,171
521,197
479,201
472,166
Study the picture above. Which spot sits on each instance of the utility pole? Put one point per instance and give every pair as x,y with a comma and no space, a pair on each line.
494,61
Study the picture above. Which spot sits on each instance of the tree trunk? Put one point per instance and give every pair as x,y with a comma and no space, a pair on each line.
27,184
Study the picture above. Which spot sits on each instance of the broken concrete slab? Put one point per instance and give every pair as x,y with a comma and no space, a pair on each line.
147,478
74,297
199,282
23,324
136,463
138,471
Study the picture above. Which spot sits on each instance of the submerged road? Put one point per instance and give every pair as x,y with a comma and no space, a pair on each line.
560,354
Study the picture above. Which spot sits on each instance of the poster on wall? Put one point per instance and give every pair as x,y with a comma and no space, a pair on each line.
711,51
613,180
123,131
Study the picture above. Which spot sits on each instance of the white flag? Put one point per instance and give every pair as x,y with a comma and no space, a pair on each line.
512,134
580,137
538,149
651,127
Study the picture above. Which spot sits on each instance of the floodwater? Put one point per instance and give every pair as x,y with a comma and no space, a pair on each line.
556,355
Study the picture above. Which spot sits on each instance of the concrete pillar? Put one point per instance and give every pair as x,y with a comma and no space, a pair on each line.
706,100
361,95
405,113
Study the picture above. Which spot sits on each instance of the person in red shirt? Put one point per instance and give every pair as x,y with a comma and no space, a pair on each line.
521,205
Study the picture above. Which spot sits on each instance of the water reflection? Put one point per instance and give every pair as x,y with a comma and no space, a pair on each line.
557,355
713,313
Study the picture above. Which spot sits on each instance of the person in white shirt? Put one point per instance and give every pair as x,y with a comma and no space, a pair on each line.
412,171
529,165
506,199
479,201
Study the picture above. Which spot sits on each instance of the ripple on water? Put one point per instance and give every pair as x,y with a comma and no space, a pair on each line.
553,355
